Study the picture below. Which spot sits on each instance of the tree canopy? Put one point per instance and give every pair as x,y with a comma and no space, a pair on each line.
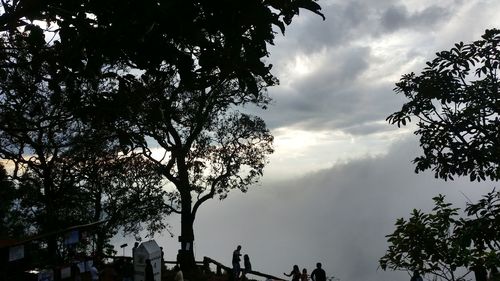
425,242
202,40
95,87
209,146
65,171
443,244
456,102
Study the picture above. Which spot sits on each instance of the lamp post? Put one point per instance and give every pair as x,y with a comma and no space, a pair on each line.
123,248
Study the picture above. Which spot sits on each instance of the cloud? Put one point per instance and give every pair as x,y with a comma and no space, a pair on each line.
322,104
339,74
397,16
338,216
337,78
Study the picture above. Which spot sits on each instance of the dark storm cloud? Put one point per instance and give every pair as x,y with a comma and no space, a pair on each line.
338,94
356,109
343,22
330,97
397,16
347,21
338,216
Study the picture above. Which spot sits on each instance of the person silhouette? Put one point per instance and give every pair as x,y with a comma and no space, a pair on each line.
236,262
247,264
416,276
295,273
318,274
304,276
178,274
494,274
148,271
480,272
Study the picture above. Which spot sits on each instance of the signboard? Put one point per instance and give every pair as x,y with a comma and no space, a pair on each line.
147,250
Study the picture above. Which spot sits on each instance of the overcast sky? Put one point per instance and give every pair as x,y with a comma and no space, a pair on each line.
341,175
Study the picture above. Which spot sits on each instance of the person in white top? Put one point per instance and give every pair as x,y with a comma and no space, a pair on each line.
178,275
94,274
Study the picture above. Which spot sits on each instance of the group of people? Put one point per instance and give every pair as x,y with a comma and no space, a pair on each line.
236,264
318,274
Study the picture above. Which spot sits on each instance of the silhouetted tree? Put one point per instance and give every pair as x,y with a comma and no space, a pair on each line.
199,39
65,171
442,244
426,242
455,101
203,60
481,230
204,146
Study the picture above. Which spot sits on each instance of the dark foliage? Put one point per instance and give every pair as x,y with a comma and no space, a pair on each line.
201,40
444,245
95,82
456,102
65,172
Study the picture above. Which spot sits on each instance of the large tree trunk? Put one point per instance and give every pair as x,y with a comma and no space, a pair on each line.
185,256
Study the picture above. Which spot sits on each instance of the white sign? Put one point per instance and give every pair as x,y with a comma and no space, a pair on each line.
147,250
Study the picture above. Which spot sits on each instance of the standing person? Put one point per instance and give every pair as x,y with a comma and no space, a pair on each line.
163,267
148,271
304,275
318,274
109,273
136,245
247,264
236,262
75,272
295,274
480,272
494,274
94,273
416,276
128,270
178,274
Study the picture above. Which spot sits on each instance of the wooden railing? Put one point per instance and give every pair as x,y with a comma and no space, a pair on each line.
219,266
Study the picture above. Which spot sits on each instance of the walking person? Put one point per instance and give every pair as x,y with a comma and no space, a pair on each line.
318,274
236,262
295,273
